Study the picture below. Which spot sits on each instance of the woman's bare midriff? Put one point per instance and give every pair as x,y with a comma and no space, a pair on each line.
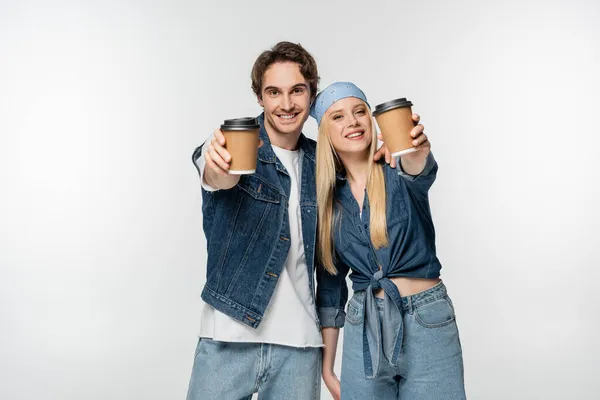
410,286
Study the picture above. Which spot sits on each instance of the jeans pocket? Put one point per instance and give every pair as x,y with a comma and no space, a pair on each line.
355,310
435,314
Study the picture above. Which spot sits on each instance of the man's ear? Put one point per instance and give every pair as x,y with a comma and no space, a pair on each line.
260,101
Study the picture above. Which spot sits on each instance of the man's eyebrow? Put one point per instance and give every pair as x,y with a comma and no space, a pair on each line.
271,88
297,85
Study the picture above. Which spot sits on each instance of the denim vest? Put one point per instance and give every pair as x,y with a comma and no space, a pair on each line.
248,235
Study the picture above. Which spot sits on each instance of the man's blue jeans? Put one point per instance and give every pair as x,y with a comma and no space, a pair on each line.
232,371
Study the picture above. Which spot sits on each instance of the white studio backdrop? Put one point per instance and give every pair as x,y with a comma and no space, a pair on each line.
102,254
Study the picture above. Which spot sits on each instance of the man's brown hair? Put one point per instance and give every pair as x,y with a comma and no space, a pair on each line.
285,52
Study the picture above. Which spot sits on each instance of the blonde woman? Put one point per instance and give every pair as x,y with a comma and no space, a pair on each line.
400,338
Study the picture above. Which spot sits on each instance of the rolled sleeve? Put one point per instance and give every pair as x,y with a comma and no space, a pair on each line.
199,163
332,295
331,317
420,183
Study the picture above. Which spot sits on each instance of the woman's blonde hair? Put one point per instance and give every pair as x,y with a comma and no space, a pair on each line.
328,165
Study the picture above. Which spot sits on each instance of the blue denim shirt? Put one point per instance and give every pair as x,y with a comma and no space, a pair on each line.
248,235
410,253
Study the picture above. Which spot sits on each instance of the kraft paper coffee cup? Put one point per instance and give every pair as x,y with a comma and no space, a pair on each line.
395,122
241,141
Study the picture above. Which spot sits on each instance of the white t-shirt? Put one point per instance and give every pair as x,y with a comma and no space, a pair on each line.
290,318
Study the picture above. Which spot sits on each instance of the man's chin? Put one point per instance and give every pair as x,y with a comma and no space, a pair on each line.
289,128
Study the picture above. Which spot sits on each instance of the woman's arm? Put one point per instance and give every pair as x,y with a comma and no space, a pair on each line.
330,339
332,294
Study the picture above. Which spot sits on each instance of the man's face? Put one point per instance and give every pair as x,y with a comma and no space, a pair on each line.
285,98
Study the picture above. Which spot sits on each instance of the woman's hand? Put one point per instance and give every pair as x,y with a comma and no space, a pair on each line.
333,384
420,141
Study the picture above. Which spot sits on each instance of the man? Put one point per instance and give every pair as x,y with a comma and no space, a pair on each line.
259,328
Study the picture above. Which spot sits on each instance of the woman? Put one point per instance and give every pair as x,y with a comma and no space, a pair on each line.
400,338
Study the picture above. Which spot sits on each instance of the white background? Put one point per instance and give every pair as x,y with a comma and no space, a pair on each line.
102,254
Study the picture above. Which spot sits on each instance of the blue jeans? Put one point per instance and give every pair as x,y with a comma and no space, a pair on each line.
430,366
232,371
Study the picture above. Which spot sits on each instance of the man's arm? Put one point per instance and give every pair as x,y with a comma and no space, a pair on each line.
198,159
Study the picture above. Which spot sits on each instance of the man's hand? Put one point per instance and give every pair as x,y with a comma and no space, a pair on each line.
218,161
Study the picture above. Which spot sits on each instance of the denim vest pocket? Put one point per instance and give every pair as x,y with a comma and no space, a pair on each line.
246,223
259,189
436,314
355,312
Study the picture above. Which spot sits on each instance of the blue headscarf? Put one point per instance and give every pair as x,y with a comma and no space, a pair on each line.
331,94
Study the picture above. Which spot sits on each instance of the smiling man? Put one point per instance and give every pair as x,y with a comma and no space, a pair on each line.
259,331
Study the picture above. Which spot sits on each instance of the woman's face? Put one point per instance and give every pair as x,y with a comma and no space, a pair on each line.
349,125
